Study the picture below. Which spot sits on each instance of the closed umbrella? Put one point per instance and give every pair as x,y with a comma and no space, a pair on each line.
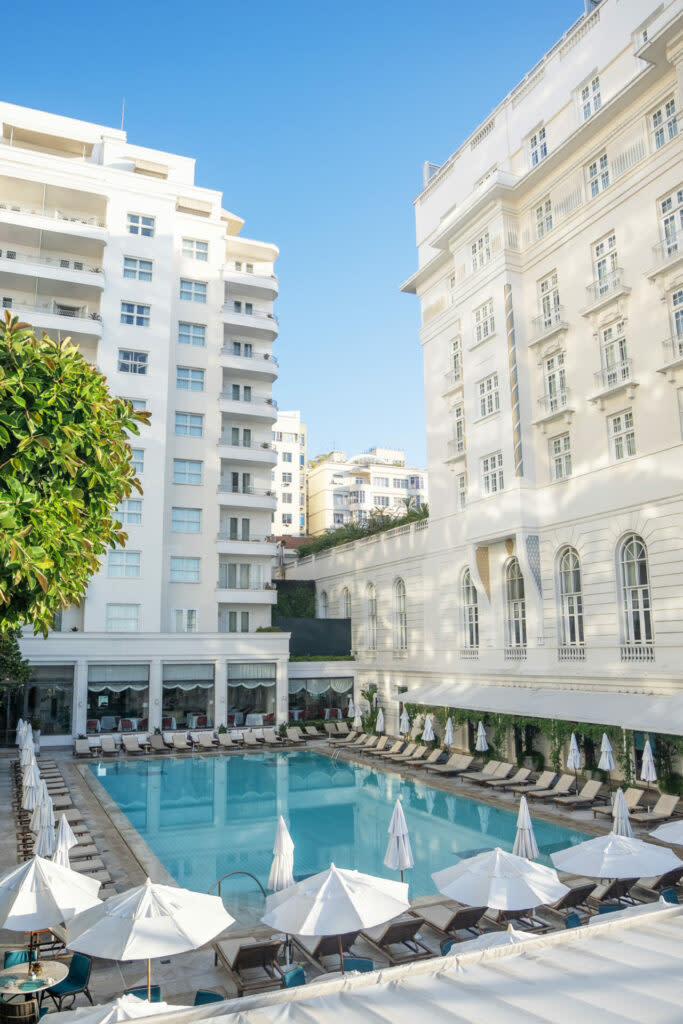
574,759
614,856
19,731
27,755
648,772
45,841
66,840
281,870
30,787
501,881
351,709
124,1008
147,921
334,902
428,730
399,856
43,809
481,746
379,725
621,821
404,723
449,738
525,840
606,762
357,721
671,832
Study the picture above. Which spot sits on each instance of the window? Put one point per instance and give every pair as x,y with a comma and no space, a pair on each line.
286,518
571,599
184,570
135,314
456,359
400,617
381,500
635,591
492,473
462,490
544,218
243,307
184,620
371,617
621,434
680,409
470,608
286,456
188,379
590,98
484,323
616,366
549,299
489,395
186,520
380,481
137,458
322,605
598,175
560,457
129,512
459,429
555,382
235,620
515,605
664,123
338,518
189,424
187,471
140,270
123,618
358,497
671,213
538,147
400,484
140,225
123,563
132,362
195,250
677,320
193,291
286,478
605,262
481,252
192,334
345,603
139,404
287,498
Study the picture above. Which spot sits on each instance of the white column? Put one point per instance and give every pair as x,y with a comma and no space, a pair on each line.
155,694
220,695
80,697
282,692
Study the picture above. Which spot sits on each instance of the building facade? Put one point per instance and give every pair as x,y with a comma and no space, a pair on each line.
289,475
342,490
548,579
115,246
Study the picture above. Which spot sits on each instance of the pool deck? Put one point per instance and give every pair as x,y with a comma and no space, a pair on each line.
129,860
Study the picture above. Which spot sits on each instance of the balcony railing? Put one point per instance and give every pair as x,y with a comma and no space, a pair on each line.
469,653
605,286
224,584
456,446
571,652
256,446
637,652
255,400
226,350
673,349
614,376
548,322
60,262
515,653
255,313
51,308
225,488
452,377
51,212
555,402
259,538
671,246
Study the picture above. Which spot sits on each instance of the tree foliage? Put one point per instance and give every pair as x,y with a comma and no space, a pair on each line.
65,465
377,522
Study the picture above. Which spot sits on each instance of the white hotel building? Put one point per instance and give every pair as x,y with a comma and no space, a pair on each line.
115,246
548,580
289,475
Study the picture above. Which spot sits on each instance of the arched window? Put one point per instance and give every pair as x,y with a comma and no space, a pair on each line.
400,618
470,611
371,617
571,599
322,605
635,591
345,603
515,605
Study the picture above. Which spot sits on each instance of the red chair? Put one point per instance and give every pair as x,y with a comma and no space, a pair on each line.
143,725
166,723
92,725
202,721
268,719
231,719
126,725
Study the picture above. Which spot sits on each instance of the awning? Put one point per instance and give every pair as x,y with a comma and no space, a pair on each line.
642,712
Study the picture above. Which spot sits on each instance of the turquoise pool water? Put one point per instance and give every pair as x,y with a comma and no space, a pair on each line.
205,816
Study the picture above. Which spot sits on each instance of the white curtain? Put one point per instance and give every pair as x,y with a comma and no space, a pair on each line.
317,686
297,685
117,687
251,684
341,685
185,687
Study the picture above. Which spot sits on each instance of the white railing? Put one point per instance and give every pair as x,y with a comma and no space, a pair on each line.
224,585
452,377
259,538
554,403
255,400
225,488
456,446
255,356
614,376
469,653
256,446
548,322
671,246
673,348
52,213
52,309
60,262
571,652
604,286
514,653
255,314
637,652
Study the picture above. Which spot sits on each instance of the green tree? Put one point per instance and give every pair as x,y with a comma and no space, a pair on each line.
65,465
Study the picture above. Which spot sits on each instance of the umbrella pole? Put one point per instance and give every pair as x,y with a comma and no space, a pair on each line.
401,874
149,981
341,954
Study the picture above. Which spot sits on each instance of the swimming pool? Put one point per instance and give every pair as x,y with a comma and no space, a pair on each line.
205,816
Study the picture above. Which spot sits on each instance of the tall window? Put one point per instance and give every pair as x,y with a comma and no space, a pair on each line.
544,218
481,251
664,122
677,321
515,605
605,262
492,473
549,299
470,607
371,617
322,605
456,358
462,490
590,98
622,436
598,175
459,428
489,395
614,354
671,214
560,456
635,591
184,620
400,617
555,382
484,321
346,603
538,147
571,600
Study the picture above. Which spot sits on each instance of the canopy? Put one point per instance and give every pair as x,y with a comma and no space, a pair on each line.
639,711
501,881
622,822
39,894
124,1008
614,856
281,872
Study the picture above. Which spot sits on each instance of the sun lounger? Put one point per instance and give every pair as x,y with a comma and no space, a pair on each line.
293,738
82,748
331,729
651,888
575,899
632,796
487,772
449,918
87,867
342,728
311,731
343,741
271,738
250,739
391,751
180,742
521,775
251,963
62,803
501,772
402,931
158,743
661,811
588,795
428,759
455,764
616,889
79,852
407,753
544,781
131,745
562,788
298,733
206,740
360,739
316,948
225,743
108,747
371,743
383,740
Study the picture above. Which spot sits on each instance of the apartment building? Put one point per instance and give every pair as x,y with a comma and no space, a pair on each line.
342,490
548,578
114,245
289,475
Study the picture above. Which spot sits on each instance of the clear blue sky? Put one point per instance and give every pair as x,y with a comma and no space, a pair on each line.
313,119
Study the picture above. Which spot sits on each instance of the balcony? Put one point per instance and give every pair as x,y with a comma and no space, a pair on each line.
260,452
250,497
258,408
547,325
455,450
260,286
53,219
263,593
469,653
259,365
515,653
553,406
20,269
54,318
263,546
605,290
453,381
571,652
673,356
258,324
612,380
637,652
667,255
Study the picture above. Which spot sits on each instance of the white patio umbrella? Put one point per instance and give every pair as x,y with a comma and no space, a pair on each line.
19,731
481,746
399,856
45,840
379,724
670,832
351,710
428,730
448,736
334,902
621,821
404,723
574,759
66,840
357,721
147,921
43,811
525,840
501,881
124,1008
510,937
30,787
281,870
27,755
648,772
606,762
614,856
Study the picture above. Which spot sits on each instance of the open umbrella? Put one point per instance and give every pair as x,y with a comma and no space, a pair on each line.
281,871
399,855
501,881
357,721
621,821
124,1008
614,856
404,723
147,921
379,725
574,759
66,840
648,772
510,937
448,737
481,746
428,730
525,840
334,902
671,832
